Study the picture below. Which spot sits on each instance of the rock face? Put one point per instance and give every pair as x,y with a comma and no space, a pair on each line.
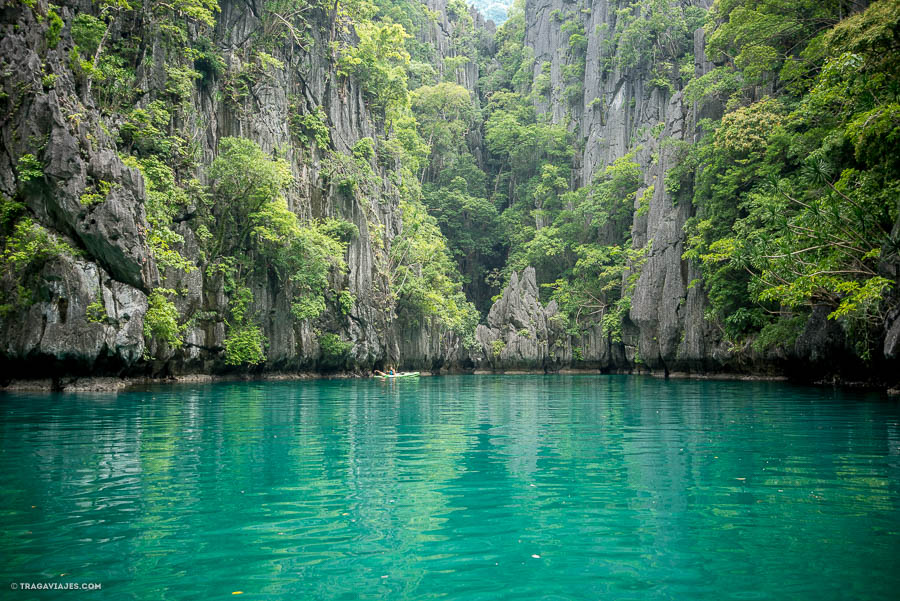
522,334
56,335
56,122
613,110
111,264
616,110
620,111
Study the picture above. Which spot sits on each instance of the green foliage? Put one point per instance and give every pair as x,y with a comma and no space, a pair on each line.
598,102
468,220
285,22
251,227
648,31
310,127
413,16
207,60
644,202
573,72
245,342
797,197
200,11
512,132
599,290
239,305
444,114
245,345
315,251
243,78
364,150
378,62
423,276
346,300
780,334
87,31
246,194
54,27
353,175
28,247
308,307
145,131
610,202
514,60
117,79
454,186
10,211
574,31
25,251
96,311
98,57
719,83
406,147
497,347
759,38
29,169
100,192
578,239
452,65
48,80
542,85
161,319
533,173
333,351
165,198
180,83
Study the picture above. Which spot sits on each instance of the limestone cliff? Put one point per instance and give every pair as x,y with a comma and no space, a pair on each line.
615,109
617,104
49,116
81,310
522,334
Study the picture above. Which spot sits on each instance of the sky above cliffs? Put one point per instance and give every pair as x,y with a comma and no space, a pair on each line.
495,10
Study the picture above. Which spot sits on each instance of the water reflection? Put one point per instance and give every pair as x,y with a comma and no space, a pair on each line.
455,488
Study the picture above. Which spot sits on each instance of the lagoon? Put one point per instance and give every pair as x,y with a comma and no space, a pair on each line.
454,488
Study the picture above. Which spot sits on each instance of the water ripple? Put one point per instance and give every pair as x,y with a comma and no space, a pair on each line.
456,488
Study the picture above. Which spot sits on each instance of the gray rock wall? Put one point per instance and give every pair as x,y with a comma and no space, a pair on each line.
114,263
621,112
110,261
618,111
523,335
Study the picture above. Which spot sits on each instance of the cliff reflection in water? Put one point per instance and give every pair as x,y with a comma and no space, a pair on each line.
456,488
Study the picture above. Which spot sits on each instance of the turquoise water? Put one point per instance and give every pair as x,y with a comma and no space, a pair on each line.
468,488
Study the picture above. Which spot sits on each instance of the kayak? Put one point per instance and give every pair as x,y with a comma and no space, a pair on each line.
403,374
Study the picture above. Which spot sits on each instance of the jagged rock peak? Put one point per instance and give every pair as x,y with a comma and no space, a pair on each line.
518,306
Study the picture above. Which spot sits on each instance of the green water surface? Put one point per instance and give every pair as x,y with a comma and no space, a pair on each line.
464,488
